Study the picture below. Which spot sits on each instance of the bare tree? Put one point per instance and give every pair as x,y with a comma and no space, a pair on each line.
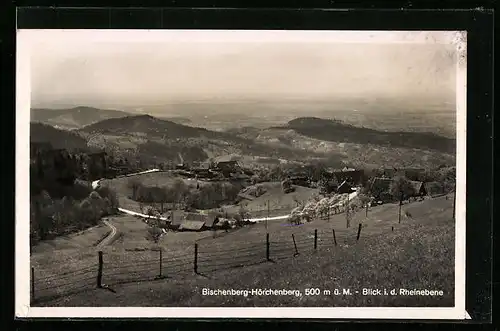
154,234
401,189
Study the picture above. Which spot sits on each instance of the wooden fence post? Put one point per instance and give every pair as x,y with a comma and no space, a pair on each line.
161,262
359,231
267,247
33,283
334,237
195,258
295,244
99,271
366,212
315,239
400,205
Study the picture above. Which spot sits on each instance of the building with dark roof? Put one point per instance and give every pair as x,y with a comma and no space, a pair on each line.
228,167
189,225
418,188
353,177
344,188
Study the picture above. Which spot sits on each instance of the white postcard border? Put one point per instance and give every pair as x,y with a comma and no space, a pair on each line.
22,262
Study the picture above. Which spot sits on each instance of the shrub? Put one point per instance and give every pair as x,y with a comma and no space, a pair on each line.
154,234
110,197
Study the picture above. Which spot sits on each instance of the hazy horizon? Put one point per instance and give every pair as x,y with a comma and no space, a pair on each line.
141,74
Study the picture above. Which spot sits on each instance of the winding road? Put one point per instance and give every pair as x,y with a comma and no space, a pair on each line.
110,236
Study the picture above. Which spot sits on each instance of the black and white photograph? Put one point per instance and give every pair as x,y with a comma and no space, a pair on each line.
185,173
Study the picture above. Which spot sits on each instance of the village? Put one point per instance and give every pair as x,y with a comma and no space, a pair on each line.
341,186
169,214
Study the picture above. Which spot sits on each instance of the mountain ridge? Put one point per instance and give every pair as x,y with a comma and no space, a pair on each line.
75,117
334,130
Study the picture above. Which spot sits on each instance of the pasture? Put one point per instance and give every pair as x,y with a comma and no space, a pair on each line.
416,254
279,202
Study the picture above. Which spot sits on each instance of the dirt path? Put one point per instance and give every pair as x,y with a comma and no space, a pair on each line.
110,237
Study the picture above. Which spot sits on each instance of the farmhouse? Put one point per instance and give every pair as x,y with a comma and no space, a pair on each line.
380,188
344,188
175,219
203,173
418,188
389,172
228,167
189,225
198,222
181,166
352,176
213,219
300,180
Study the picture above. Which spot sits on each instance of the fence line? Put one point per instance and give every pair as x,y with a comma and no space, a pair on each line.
201,260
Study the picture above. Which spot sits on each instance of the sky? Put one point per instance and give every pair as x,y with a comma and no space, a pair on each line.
139,71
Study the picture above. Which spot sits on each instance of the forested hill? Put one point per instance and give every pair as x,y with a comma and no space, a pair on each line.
42,133
332,130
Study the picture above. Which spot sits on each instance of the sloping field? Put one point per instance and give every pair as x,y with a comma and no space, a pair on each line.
417,254
163,178
280,203
81,240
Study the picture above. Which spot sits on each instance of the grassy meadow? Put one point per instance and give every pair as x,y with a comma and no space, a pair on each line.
417,253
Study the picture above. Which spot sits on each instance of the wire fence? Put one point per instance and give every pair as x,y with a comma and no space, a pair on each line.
201,259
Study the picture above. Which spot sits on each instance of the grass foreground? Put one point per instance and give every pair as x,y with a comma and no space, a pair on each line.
417,254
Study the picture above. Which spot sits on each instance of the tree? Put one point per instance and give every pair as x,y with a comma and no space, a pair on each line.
364,199
110,196
327,184
447,176
401,189
243,213
297,201
154,234
286,186
180,189
133,184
